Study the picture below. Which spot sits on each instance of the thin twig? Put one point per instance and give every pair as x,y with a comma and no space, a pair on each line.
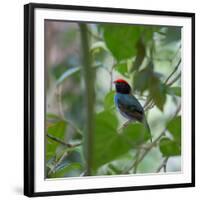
163,165
148,103
58,163
172,73
58,140
74,127
136,160
174,80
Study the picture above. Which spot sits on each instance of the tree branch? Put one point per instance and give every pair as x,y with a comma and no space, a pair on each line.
89,76
58,140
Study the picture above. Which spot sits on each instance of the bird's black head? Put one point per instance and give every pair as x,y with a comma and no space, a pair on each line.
122,86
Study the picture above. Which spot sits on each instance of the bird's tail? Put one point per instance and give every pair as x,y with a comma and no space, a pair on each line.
147,127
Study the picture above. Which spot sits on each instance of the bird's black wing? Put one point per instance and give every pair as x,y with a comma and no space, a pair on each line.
131,107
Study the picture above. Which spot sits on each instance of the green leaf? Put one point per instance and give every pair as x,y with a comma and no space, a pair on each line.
147,33
51,147
109,100
108,118
106,139
57,129
174,91
67,73
140,55
121,40
174,128
169,147
147,79
157,91
173,34
122,68
141,79
109,144
136,133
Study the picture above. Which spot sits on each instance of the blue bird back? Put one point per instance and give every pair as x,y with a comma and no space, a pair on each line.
129,106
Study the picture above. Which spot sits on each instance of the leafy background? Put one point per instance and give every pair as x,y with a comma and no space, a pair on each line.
82,60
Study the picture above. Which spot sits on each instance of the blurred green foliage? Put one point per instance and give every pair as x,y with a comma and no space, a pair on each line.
148,57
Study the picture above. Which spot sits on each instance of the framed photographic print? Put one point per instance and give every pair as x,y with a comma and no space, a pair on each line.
108,99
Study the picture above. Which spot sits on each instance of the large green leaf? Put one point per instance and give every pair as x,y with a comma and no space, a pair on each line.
109,144
136,133
140,55
51,147
109,100
174,127
141,79
147,33
173,34
169,147
57,129
121,40
147,79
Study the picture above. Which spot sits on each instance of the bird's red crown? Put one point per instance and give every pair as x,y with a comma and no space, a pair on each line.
120,81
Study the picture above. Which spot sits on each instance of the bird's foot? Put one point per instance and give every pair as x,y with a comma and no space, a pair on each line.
124,125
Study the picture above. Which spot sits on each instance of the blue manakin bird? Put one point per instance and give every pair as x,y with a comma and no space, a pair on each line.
128,105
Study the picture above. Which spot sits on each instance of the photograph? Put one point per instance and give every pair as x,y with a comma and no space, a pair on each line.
131,82
108,99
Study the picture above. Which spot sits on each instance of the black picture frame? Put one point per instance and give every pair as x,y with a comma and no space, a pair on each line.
29,95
